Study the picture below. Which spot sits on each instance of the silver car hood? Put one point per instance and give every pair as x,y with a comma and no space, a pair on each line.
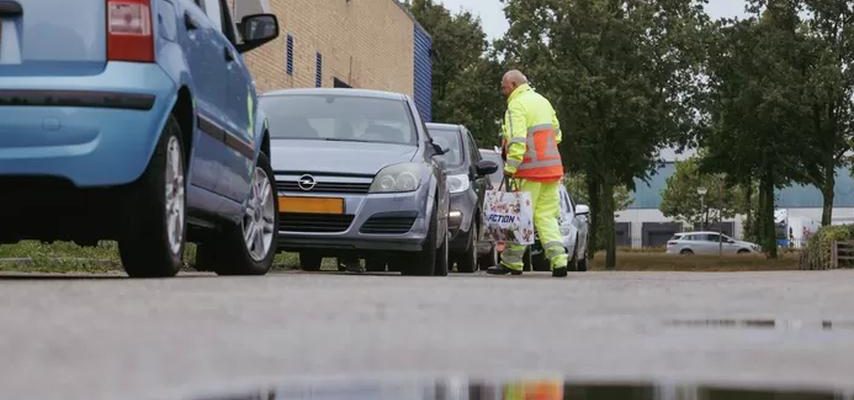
317,156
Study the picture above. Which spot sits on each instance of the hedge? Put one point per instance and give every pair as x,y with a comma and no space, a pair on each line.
817,254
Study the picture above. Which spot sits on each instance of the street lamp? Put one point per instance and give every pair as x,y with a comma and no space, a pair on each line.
702,192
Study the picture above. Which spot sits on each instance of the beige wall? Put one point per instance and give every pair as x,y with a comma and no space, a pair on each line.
365,43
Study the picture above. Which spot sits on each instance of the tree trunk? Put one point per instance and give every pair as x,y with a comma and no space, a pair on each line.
608,225
593,194
760,216
766,214
749,229
827,193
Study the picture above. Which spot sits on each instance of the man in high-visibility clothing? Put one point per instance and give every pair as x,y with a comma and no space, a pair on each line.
531,135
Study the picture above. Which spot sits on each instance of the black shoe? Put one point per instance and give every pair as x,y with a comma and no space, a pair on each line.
559,272
502,270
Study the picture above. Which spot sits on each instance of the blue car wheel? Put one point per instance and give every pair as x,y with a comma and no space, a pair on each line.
152,241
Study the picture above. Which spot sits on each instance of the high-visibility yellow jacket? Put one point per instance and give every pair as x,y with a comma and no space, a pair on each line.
531,135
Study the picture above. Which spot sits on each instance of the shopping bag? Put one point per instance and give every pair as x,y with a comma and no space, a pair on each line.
508,217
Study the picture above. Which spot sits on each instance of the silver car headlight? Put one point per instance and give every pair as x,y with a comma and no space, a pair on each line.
398,178
458,183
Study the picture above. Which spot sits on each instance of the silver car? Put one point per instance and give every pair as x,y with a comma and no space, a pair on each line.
356,178
708,243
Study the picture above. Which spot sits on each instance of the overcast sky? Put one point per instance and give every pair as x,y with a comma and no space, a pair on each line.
492,15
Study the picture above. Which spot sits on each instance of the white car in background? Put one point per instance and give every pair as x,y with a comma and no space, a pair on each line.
708,243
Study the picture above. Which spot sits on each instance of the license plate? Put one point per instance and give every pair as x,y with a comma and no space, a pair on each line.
311,205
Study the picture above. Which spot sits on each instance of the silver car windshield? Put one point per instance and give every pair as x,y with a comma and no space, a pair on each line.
451,141
339,118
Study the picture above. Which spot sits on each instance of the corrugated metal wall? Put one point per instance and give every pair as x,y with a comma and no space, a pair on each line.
423,92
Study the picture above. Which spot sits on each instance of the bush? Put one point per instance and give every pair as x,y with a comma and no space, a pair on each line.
818,251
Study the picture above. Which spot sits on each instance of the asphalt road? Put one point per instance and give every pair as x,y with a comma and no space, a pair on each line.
180,338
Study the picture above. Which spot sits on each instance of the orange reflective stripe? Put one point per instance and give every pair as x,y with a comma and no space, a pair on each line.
541,127
539,164
542,159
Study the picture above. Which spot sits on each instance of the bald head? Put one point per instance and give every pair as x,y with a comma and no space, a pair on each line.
512,80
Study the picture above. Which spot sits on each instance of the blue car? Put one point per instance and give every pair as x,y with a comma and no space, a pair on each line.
136,121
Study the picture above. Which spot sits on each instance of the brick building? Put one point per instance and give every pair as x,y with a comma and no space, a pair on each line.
371,44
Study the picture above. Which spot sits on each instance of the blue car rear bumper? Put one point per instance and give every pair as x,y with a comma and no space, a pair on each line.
94,131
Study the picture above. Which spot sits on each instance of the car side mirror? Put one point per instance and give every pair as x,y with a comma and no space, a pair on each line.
582,209
486,167
257,30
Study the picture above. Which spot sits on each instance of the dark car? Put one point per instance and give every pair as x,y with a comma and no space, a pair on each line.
467,176
357,178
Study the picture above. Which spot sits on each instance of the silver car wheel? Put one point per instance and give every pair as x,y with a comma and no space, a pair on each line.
259,218
175,196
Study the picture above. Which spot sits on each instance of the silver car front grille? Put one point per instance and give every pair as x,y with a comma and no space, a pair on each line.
321,184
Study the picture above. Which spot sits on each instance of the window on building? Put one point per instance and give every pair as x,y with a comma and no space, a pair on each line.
289,55
318,78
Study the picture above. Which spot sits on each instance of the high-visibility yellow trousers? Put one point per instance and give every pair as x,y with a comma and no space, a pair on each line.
545,199
534,390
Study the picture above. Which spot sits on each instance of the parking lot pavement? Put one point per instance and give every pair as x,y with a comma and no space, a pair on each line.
121,338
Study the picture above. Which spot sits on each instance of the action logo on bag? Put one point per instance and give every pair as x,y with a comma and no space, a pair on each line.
508,217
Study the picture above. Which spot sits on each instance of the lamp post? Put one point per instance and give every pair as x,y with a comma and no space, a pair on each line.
702,192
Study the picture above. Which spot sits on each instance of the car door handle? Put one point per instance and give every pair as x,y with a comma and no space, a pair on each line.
190,23
10,8
229,57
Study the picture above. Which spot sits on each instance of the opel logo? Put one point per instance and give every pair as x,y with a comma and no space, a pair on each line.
306,183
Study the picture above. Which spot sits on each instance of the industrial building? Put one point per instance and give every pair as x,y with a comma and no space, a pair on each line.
643,224
368,44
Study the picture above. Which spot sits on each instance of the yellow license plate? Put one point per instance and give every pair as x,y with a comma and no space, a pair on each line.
311,205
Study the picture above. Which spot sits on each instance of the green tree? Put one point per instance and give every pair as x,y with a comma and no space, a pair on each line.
465,78
759,89
622,75
682,198
830,32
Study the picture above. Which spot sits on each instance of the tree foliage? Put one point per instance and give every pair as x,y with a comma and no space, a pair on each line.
465,78
683,201
830,33
780,100
767,99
